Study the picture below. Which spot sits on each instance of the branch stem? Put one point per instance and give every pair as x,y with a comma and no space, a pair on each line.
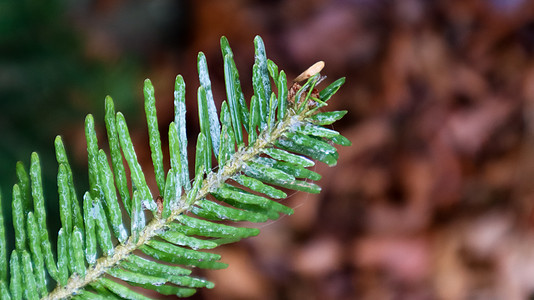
213,181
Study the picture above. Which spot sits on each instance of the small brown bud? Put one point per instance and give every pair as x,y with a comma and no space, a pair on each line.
314,69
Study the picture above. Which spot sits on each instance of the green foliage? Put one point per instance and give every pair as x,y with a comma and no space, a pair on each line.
46,64
258,150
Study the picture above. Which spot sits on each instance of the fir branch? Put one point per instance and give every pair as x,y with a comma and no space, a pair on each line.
284,131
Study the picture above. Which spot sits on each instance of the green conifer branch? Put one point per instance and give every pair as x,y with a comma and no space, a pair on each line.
284,132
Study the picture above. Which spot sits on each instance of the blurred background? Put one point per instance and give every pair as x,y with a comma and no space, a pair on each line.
434,199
